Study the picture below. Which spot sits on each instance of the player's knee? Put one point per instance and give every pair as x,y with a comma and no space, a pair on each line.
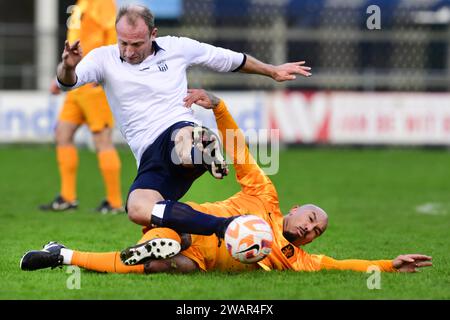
104,146
156,266
62,136
103,140
139,213
140,205
185,158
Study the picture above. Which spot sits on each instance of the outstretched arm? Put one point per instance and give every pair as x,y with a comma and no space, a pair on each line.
411,262
403,263
252,178
225,60
232,137
280,73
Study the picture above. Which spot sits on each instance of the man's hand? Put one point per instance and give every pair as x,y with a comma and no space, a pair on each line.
202,98
283,72
288,71
72,54
411,262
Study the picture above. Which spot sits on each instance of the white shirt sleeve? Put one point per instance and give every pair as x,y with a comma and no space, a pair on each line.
216,58
89,70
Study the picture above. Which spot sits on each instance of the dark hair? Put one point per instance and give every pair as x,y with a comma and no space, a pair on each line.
134,12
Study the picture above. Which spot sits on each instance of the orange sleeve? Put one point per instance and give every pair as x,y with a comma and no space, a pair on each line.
328,263
251,177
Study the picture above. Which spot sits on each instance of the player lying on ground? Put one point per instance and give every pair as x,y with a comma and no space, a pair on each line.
206,252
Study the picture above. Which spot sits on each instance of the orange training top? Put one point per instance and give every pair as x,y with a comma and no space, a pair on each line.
93,23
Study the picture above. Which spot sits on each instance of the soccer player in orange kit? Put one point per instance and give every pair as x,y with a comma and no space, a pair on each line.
92,22
206,252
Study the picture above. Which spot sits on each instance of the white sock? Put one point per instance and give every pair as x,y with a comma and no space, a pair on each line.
67,255
158,210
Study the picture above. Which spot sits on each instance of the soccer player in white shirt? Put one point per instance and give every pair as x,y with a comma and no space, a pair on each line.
144,78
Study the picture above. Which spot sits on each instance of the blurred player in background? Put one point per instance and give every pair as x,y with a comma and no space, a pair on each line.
91,22
258,196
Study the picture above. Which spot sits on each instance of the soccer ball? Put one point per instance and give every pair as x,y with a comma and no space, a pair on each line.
248,239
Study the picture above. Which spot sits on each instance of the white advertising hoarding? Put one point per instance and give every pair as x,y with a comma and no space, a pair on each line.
301,117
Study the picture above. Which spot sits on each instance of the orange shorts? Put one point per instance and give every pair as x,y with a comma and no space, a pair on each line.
206,253
87,105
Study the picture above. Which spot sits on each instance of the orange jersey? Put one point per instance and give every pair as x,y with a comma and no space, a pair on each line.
258,197
93,23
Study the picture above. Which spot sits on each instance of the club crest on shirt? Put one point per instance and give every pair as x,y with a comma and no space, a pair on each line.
162,65
288,251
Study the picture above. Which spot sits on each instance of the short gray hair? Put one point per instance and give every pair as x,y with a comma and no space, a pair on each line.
134,12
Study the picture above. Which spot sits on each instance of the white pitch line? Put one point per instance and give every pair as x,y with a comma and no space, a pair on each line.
432,209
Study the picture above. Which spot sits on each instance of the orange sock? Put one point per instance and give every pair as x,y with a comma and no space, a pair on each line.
110,262
103,262
67,158
109,164
160,233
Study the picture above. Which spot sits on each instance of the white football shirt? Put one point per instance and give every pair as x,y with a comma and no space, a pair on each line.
147,98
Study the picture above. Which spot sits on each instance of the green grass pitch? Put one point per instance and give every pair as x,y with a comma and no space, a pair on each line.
381,203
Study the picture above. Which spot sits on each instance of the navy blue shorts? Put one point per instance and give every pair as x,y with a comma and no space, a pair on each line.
158,172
